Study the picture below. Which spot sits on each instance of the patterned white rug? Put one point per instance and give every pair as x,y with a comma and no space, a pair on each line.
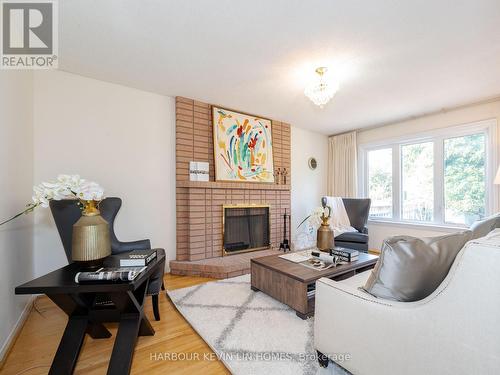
250,332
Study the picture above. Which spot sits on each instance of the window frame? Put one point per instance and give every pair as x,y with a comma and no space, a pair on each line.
366,179
438,136
400,186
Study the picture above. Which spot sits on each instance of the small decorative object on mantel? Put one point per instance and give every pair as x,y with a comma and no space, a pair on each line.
91,232
277,176
243,149
284,173
198,171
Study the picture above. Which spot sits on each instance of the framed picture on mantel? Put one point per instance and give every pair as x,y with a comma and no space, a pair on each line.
243,148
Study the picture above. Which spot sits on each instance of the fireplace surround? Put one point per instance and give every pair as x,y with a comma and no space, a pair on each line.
199,204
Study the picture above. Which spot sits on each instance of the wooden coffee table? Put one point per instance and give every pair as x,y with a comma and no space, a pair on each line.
288,282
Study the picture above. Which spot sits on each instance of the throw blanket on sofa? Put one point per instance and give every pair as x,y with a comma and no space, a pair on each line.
339,222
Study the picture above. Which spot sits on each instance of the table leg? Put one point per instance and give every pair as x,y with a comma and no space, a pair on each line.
123,350
69,348
303,316
98,331
145,329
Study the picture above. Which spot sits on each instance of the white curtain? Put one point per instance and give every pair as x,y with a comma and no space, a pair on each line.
342,165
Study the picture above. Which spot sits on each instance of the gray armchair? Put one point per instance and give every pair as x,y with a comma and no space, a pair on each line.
358,211
66,213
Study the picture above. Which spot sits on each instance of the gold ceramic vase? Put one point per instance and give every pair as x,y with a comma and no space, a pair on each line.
90,235
325,241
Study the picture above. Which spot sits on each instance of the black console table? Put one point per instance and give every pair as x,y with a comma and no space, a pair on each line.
86,314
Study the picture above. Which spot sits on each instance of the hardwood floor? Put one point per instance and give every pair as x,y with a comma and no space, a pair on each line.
37,343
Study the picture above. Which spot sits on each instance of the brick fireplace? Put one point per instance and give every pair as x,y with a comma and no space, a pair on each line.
199,205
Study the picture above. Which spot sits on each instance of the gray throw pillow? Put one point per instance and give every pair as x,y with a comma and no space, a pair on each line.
481,228
410,268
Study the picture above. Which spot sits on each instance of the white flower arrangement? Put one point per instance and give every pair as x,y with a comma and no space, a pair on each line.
305,236
314,219
65,187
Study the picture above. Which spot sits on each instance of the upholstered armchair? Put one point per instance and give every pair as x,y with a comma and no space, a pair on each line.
66,213
454,330
358,211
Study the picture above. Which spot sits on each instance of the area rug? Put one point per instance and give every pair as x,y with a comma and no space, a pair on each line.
250,332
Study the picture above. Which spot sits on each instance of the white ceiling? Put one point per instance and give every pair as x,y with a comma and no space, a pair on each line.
393,58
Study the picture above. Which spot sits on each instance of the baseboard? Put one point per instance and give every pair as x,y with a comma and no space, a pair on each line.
11,339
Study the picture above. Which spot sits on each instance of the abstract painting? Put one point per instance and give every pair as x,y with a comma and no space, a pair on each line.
242,146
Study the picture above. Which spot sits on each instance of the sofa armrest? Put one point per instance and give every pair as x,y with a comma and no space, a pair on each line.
365,230
353,294
362,330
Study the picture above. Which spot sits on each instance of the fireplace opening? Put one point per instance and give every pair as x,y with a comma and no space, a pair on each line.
246,228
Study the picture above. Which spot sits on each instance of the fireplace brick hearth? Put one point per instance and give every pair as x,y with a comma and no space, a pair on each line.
199,205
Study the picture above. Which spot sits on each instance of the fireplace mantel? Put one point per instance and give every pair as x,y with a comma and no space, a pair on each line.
231,185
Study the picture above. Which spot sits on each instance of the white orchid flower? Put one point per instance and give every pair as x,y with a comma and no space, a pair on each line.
65,187
90,191
40,198
70,182
314,219
62,193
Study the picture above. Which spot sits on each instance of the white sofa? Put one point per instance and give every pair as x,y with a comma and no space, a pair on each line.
455,330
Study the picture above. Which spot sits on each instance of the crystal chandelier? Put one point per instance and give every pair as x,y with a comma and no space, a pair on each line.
321,92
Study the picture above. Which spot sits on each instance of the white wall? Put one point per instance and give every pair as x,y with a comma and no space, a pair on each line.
308,186
451,118
16,180
120,137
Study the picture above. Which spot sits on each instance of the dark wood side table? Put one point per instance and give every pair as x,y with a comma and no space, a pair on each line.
86,314
288,282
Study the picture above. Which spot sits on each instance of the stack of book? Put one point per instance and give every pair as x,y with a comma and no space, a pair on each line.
132,264
311,290
137,258
345,255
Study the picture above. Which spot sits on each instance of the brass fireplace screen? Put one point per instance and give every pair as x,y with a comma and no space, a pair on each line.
245,228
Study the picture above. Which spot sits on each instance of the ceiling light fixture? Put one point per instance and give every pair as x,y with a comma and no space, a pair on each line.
321,92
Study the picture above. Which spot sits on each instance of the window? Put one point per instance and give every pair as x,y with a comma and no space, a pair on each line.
380,182
417,181
464,178
440,177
